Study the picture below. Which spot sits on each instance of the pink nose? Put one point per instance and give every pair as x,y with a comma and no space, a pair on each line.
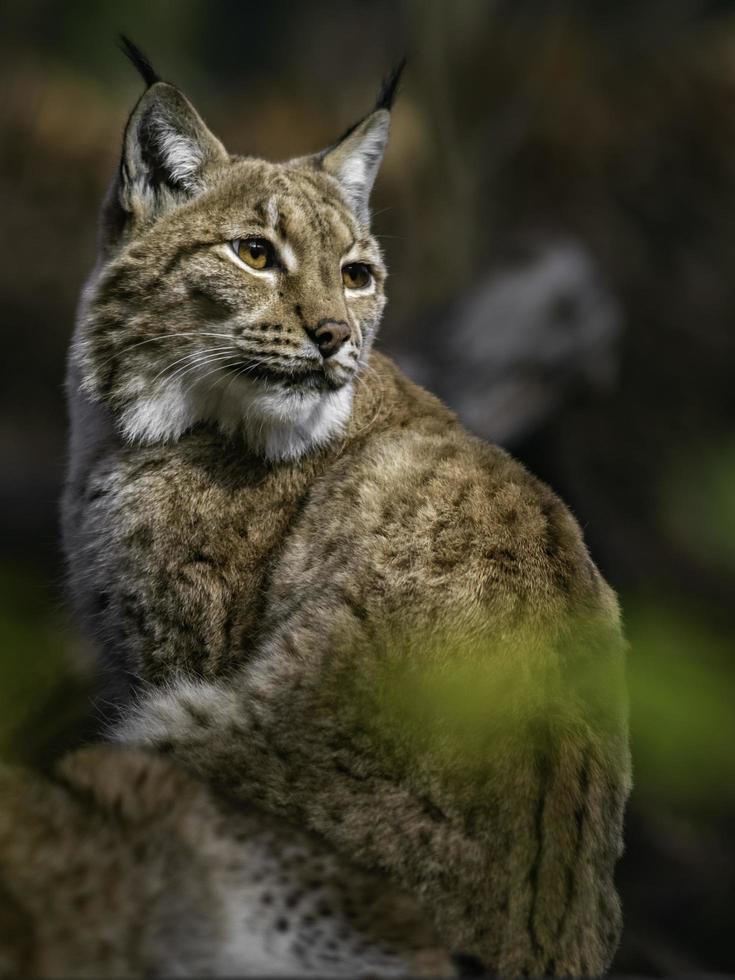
329,336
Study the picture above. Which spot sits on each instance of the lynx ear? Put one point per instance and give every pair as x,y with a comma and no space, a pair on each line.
354,160
166,147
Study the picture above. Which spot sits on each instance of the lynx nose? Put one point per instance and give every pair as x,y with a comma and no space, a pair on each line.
329,336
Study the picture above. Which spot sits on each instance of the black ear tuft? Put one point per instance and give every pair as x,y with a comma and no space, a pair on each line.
148,73
389,88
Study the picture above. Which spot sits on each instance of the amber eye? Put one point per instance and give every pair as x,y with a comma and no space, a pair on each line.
356,275
255,252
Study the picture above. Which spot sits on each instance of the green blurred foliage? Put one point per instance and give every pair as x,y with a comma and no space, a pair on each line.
681,680
682,662
698,504
455,705
43,688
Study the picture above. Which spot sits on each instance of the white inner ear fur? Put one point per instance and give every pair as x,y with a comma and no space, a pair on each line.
182,157
355,161
357,171
353,173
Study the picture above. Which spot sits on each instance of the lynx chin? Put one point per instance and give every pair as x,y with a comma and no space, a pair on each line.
309,586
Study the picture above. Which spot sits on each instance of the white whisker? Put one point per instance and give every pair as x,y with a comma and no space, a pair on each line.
195,353
201,360
164,336
208,374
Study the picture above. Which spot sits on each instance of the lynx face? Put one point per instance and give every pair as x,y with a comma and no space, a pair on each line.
232,290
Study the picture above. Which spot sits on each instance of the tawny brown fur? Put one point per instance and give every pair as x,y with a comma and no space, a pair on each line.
281,576
123,865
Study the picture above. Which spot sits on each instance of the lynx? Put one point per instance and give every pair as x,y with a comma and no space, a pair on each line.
315,589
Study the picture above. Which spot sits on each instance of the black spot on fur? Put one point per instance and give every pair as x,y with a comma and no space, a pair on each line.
100,602
433,810
356,608
462,494
468,965
579,817
208,306
341,767
141,537
533,874
199,557
197,715
147,467
504,558
182,252
237,731
95,491
134,615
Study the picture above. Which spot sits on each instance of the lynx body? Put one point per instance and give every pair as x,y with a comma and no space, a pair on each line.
273,527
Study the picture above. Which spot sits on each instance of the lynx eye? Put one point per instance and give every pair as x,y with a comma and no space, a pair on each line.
256,252
356,275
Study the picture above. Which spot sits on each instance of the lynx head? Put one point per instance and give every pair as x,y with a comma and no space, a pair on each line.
232,290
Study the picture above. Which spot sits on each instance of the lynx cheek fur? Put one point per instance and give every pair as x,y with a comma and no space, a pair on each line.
360,617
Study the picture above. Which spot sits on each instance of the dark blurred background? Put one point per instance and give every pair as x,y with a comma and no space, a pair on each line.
557,207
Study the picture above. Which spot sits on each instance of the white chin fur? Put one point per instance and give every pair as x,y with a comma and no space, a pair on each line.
279,424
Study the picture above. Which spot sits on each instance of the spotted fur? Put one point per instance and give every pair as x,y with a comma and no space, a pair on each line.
122,865
281,553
